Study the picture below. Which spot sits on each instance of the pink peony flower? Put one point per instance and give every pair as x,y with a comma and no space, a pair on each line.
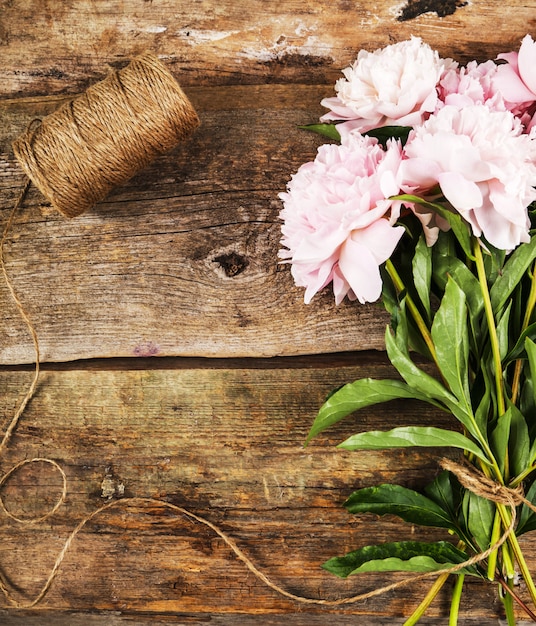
395,85
484,166
338,223
516,81
473,84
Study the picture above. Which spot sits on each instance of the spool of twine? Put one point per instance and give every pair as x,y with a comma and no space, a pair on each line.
99,140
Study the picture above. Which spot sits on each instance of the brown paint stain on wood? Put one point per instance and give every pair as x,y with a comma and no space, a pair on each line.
441,8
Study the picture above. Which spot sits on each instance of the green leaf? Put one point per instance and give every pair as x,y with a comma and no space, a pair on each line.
425,384
326,130
358,395
518,351
384,133
494,259
493,263
527,405
518,442
400,327
407,504
417,379
446,491
512,273
511,442
503,330
459,226
499,439
483,409
530,348
411,436
449,333
400,556
479,514
422,273
527,517
445,246
445,266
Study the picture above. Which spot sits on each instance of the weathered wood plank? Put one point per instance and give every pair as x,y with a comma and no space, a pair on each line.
183,259
62,47
24,618
225,443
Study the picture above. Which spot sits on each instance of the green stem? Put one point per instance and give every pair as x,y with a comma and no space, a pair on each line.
497,364
521,477
508,603
495,534
427,601
455,600
508,561
503,510
516,598
506,517
517,552
413,309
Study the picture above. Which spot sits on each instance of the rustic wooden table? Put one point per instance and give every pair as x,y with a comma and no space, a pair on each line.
179,361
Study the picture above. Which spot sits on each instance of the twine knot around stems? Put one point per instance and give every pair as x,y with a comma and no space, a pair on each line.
479,484
102,138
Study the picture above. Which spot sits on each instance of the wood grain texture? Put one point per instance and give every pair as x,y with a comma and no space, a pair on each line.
225,443
183,259
115,618
51,47
182,262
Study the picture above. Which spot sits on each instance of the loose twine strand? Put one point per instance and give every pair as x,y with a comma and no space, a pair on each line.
75,156
23,314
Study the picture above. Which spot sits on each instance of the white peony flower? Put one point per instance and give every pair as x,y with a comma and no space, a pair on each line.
395,85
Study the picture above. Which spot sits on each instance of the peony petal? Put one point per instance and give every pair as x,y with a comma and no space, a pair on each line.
510,85
313,278
341,288
389,184
417,173
527,63
359,267
511,57
501,234
463,194
319,246
381,238
393,85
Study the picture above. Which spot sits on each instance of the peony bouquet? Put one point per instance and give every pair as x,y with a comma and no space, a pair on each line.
425,198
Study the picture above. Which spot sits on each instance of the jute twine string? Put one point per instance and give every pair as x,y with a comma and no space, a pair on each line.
75,156
22,311
102,138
